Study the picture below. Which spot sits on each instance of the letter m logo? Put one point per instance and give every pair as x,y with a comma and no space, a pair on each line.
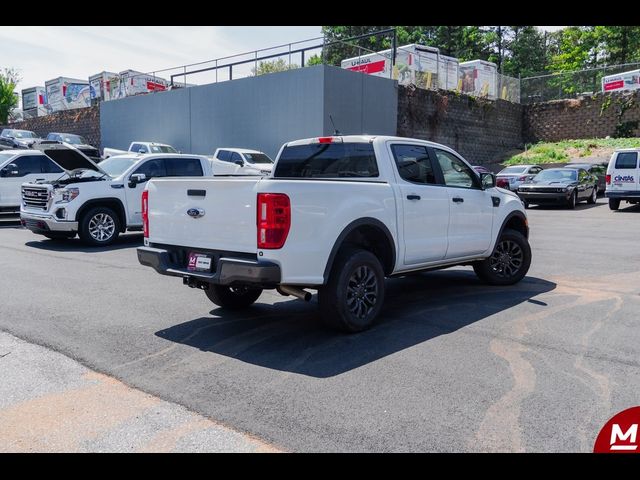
630,437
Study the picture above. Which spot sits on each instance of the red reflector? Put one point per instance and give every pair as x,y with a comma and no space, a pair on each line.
522,179
325,139
608,179
273,219
145,213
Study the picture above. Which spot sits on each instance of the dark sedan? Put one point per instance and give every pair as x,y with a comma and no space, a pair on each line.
560,186
597,169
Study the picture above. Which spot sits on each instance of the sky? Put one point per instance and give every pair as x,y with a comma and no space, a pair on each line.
42,53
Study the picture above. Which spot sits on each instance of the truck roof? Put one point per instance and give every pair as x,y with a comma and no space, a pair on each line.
364,139
239,150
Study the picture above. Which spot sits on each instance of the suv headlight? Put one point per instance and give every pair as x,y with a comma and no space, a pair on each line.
65,195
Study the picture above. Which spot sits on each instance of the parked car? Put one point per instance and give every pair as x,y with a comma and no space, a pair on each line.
78,142
140,147
597,169
481,169
98,202
17,167
10,138
239,161
338,214
623,175
512,177
564,186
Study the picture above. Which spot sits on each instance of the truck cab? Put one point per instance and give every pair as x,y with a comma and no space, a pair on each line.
241,161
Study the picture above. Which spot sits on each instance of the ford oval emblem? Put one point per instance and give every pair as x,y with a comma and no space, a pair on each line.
195,212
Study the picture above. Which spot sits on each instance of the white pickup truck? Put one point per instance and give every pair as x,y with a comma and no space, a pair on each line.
339,214
140,147
98,202
241,161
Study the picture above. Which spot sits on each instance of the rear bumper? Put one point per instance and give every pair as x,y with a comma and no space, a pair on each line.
42,223
229,271
631,194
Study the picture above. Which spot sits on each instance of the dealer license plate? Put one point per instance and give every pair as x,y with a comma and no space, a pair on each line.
199,262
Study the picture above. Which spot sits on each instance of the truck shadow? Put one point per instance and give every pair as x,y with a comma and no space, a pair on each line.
129,240
289,336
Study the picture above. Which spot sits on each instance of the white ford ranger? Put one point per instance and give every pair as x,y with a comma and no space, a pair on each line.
97,202
140,147
338,214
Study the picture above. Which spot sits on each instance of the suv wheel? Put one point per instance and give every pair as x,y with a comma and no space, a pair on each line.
509,262
352,298
233,298
614,203
100,226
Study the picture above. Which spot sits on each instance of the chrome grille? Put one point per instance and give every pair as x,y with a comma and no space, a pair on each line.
35,197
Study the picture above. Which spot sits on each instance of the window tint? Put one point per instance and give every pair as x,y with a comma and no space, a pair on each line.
48,166
224,155
327,160
626,160
28,164
456,172
138,148
414,164
153,168
535,170
235,157
183,167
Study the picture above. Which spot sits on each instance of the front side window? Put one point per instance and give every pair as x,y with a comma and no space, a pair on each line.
224,155
582,175
162,149
28,164
414,164
627,160
153,168
257,158
183,167
235,157
327,160
456,173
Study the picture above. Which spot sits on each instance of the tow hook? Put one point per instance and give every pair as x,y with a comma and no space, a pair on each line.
193,283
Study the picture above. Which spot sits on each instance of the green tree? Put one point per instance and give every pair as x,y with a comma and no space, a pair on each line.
618,44
576,48
9,78
272,66
314,60
527,54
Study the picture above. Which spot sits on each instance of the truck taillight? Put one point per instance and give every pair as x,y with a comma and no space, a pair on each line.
145,213
273,219
608,179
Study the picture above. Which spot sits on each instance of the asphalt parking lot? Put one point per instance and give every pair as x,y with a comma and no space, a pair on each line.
453,365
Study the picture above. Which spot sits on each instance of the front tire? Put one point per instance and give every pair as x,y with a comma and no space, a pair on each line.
571,203
509,262
594,196
232,298
352,298
99,227
614,203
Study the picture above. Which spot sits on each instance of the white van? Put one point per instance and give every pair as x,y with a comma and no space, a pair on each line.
623,175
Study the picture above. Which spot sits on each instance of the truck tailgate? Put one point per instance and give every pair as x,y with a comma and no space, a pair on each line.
228,204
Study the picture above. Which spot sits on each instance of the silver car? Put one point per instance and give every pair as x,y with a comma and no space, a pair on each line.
512,177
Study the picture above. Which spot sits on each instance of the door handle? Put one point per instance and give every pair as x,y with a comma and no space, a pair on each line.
458,199
39,179
413,197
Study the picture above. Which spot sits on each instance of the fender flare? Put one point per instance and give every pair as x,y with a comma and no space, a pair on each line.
515,213
366,221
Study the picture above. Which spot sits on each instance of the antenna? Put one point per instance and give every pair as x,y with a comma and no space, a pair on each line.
335,130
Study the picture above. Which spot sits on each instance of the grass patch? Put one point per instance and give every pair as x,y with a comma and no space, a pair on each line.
565,151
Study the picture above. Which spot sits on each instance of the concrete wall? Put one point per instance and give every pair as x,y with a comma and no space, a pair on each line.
260,113
82,121
588,117
481,131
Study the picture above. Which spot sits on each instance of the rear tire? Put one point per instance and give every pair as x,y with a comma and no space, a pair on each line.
353,297
571,203
614,204
99,227
594,196
509,261
233,298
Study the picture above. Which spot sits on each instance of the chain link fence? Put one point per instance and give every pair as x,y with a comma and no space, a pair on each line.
558,86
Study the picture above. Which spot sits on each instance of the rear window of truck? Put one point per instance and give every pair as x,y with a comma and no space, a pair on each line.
327,160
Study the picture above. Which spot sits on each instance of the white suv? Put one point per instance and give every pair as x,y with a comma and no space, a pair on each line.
623,176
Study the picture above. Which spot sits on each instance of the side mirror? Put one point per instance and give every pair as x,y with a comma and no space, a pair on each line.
141,151
137,178
10,170
488,180
239,162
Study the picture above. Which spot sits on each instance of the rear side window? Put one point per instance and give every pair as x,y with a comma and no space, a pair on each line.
183,167
414,164
626,160
327,160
